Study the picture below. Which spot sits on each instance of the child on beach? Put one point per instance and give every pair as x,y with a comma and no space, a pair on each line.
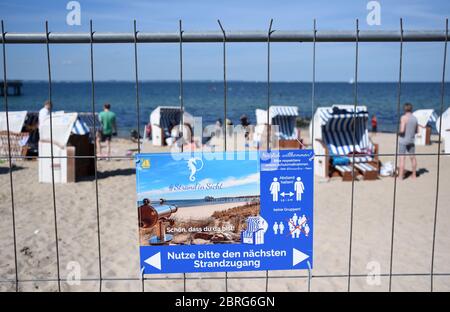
374,123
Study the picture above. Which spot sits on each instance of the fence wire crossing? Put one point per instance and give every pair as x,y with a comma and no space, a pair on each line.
224,37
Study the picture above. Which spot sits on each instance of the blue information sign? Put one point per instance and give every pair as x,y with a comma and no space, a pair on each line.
232,211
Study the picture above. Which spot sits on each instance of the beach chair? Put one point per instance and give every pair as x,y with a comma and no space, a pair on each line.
285,132
426,118
254,233
333,137
445,132
17,136
85,125
163,119
70,138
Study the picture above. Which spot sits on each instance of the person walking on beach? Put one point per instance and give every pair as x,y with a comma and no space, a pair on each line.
45,111
107,130
408,129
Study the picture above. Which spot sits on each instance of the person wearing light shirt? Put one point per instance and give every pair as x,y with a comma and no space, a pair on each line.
45,111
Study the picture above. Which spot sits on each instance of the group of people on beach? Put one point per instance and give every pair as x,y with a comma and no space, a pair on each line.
182,135
408,129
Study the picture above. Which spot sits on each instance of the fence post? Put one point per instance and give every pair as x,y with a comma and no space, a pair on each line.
439,154
224,107
309,276
52,154
142,279
313,85
180,30
13,213
399,94
95,155
269,33
355,104
136,70
224,85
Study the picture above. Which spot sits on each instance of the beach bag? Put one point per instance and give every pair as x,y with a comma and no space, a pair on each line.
387,169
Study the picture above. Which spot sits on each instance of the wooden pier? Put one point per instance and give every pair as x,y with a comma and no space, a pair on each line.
14,85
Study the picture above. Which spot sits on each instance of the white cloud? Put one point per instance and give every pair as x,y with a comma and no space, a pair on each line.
233,181
205,181
154,193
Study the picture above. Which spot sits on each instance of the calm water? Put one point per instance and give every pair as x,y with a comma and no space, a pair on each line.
205,99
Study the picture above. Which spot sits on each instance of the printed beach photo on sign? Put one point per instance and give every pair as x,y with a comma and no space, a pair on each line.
196,200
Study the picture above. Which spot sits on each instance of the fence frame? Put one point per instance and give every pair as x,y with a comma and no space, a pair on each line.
271,36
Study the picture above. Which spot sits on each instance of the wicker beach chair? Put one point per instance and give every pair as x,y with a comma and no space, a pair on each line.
445,131
334,130
284,118
18,143
254,234
163,118
70,143
14,122
426,118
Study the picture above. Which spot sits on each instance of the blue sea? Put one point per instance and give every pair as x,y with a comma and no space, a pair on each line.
205,99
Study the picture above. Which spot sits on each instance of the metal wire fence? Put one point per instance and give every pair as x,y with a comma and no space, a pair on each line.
225,37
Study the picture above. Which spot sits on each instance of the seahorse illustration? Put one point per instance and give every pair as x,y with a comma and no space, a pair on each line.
192,165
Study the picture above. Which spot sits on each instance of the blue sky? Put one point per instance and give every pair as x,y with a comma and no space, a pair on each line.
239,177
290,62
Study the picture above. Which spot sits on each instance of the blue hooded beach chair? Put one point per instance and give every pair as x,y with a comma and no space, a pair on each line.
285,117
344,133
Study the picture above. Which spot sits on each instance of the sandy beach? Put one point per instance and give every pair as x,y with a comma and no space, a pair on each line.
76,209
201,212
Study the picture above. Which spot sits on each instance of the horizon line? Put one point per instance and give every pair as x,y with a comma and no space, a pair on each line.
221,81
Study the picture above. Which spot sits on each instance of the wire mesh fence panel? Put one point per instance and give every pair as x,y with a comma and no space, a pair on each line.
83,236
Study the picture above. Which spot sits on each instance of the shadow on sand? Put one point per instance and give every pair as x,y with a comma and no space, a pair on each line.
419,172
109,173
4,170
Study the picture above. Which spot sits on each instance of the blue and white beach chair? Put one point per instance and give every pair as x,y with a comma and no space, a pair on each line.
284,117
163,119
334,128
445,131
426,119
70,137
254,234
85,125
